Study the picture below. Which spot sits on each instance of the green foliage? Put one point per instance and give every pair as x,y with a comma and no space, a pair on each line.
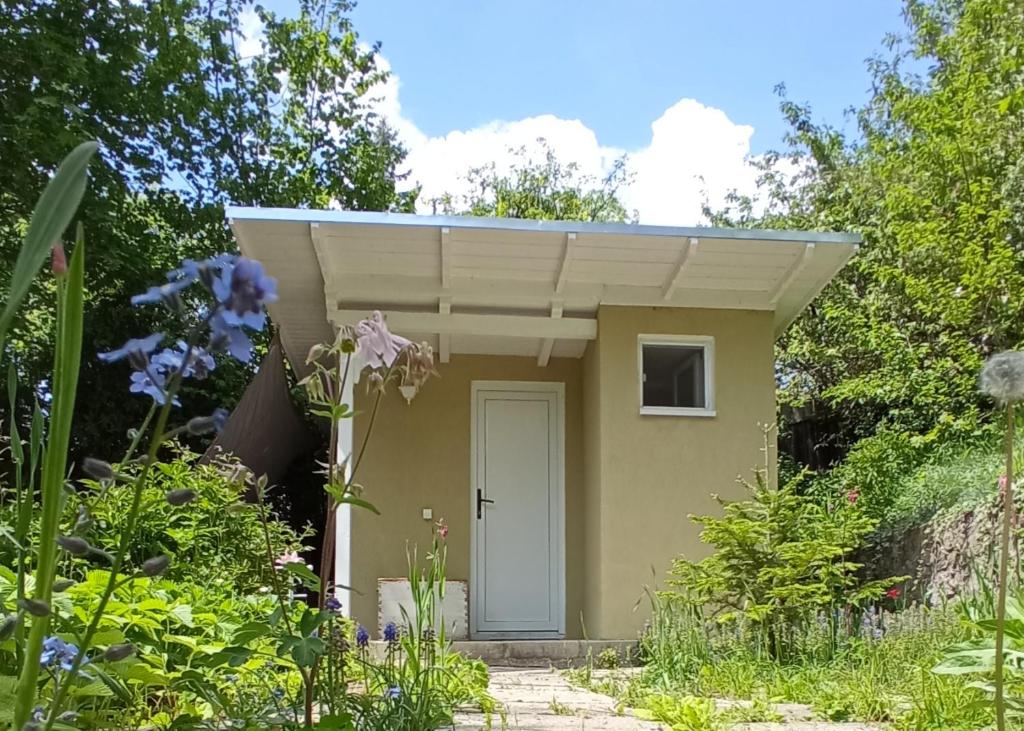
931,179
546,190
780,560
683,713
183,635
976,656
421,681
185,123
882,675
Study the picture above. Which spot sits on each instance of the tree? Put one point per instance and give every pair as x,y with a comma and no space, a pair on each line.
933,183
191,114
548,190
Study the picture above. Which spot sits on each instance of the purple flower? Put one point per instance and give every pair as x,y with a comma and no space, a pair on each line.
56,650
205,271
391,632
375,344
199,365
332,604
136,350
152,383
243,289
225,337
220,419
393,692
362,636
168,294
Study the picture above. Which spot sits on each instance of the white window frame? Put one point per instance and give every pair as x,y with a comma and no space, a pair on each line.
706,342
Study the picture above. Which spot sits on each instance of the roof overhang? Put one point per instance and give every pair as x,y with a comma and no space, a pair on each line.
517,287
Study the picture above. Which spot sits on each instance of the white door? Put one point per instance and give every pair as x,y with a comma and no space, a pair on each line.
517,577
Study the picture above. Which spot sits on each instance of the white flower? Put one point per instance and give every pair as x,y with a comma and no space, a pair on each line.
1002,377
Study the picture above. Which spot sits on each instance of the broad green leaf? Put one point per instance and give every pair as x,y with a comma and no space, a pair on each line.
304,574
359,502
52,215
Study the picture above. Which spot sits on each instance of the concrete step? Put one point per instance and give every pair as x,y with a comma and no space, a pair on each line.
544,653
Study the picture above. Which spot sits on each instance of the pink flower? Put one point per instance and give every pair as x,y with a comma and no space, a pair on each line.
375,344
852,496
290,557
894,593
442,530
58,260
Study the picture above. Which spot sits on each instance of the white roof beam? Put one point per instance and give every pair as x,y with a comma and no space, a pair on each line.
444,340
685,257
549,343
794,270
316,235
563,269
460,323
446,258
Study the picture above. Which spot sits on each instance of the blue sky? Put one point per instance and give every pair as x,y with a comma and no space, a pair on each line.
473,78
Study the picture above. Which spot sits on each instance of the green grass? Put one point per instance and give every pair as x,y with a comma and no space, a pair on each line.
887,680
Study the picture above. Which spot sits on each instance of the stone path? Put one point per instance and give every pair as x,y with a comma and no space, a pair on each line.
539,699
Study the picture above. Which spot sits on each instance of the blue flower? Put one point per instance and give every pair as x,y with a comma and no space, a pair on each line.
220,419
205,271
168,294
56,650
393,692
362,636
152,383
332,604
170,360
278,693
243,290
391,632
38,714
226,337
136,350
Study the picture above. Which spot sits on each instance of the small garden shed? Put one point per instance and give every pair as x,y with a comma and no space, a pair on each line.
598,384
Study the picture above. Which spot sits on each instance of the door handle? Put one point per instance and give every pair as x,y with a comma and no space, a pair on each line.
480,500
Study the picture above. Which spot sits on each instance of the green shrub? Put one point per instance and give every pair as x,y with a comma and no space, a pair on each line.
211,540
782,564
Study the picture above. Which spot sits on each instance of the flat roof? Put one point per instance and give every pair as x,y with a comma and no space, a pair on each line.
518,287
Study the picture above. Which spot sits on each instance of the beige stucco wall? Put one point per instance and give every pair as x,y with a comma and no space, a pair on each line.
631,480
646,474
419,457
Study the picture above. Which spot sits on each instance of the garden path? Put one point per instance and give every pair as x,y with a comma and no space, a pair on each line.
541,699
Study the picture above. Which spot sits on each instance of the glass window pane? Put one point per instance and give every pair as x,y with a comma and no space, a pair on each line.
674,376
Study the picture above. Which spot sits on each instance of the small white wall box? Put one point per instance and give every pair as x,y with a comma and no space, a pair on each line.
393,594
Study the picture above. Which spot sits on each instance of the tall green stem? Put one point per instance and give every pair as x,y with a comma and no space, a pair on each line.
67,359
1004,562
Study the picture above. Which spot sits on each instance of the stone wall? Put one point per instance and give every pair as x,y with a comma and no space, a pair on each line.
949,555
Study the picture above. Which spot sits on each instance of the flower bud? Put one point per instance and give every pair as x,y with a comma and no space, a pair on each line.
156,565
116,653
8,625
181,496
35,607
58,261
200,425
98,469
74,545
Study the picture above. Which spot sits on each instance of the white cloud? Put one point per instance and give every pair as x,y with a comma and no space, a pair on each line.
695,152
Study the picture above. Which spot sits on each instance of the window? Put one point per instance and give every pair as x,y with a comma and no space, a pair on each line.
676,375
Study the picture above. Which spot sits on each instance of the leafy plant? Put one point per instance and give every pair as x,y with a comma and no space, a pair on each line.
239,289
781,563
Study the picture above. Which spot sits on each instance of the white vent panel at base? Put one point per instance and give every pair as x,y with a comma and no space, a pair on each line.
395,594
